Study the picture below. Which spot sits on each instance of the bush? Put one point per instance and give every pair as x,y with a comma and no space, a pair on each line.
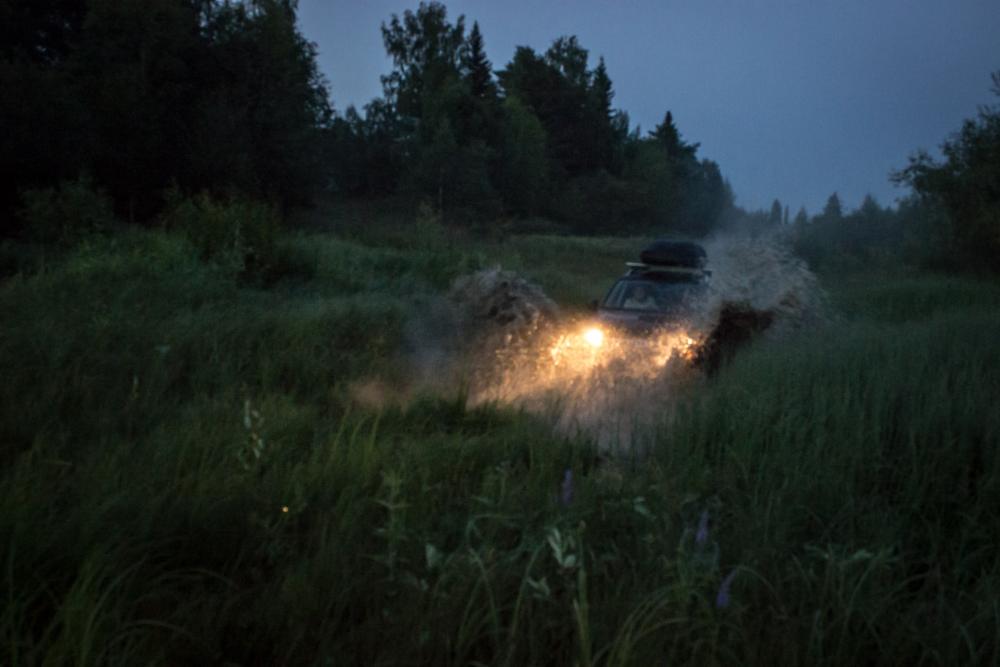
66,213
238,234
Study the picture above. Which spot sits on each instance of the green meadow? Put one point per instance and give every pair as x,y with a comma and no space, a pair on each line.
187,478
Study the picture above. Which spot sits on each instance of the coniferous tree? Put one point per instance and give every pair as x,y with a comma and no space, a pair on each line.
689,210
667,134
833,211
714,198
603,132
477,68
601,91
774,219
479,112
801,218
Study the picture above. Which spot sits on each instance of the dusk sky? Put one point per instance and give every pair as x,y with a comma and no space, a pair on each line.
794,100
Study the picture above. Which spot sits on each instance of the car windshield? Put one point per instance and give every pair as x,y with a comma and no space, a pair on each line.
650,295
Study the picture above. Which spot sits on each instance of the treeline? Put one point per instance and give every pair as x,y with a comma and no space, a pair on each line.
959,198
539,137
149,110
871,235
141,97
949,221
225,97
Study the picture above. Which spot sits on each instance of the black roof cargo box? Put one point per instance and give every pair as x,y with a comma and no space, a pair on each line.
673,253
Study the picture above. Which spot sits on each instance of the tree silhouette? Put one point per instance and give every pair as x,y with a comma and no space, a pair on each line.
476,67
966,185
833,211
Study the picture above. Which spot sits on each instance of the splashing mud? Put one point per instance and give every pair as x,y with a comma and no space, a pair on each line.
593,380
506,341
763,274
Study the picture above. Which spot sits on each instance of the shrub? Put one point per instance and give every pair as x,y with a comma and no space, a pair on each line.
429,233
238,234
66,213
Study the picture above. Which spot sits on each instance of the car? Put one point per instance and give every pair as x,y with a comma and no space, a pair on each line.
661,291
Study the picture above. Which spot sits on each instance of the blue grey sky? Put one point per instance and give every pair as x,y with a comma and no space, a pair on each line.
793,99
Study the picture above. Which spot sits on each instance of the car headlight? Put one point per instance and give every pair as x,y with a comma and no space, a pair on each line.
594,337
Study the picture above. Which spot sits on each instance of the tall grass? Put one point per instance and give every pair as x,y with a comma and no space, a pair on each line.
187,480
859,476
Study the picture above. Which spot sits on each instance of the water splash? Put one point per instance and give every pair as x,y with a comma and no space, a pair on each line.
504,340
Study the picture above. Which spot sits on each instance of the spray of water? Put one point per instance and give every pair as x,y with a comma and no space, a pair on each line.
761,273
505,341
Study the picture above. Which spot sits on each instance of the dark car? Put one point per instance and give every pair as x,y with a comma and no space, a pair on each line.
660,291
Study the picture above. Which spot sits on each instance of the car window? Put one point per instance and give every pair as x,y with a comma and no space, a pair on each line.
616,296
649,295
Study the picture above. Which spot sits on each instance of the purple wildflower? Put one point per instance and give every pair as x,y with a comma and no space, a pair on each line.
566,491
722,597
701,536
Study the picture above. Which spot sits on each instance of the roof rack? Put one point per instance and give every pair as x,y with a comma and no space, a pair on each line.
636,267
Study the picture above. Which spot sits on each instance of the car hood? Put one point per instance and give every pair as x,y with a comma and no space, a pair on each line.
637,322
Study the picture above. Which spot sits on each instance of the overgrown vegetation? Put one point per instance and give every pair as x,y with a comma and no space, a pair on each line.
138,104
226,97
193,469
189,476
539,137
949,222
965,187
202,94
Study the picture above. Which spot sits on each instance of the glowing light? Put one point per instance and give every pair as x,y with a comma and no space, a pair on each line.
595,337
285,509
591,364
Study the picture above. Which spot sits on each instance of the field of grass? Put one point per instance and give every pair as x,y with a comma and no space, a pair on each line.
187,479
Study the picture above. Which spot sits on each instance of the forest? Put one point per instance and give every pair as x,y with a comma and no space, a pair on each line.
141,104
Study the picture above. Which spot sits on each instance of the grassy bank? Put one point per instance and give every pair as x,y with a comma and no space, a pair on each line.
187,478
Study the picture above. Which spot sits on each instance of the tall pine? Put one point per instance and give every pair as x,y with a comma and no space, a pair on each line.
477,68
602,116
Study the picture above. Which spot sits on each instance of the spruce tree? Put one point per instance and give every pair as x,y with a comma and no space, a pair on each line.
801,218
670,138
479,117
833,210
477,68
601,92
774,218
602,116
